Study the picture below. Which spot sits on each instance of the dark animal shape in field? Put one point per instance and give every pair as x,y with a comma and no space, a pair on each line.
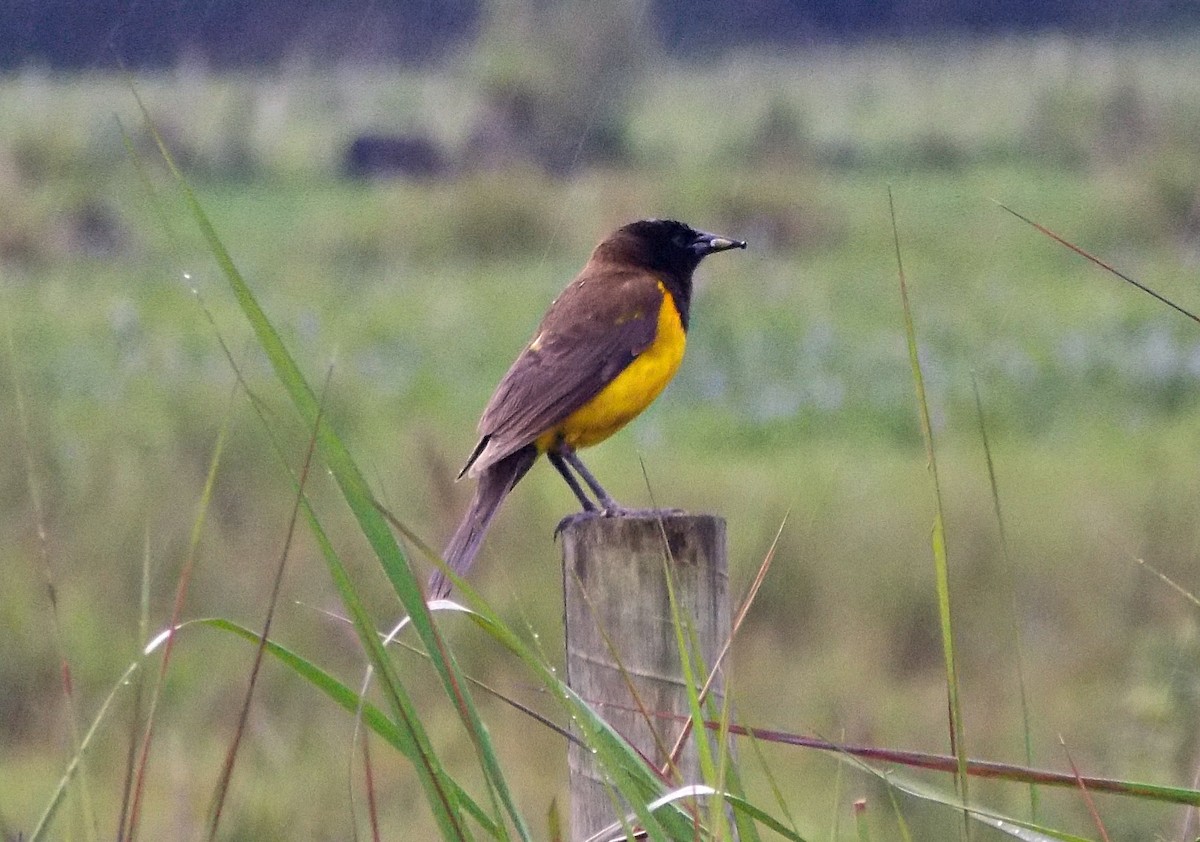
394,156
94,229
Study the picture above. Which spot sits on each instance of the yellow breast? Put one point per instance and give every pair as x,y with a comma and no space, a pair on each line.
631,391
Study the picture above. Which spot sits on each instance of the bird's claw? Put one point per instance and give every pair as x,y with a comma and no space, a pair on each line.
572,519
613,509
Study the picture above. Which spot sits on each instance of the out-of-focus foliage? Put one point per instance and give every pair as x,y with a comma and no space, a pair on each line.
66,34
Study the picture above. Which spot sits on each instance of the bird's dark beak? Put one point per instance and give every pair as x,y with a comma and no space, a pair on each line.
710,243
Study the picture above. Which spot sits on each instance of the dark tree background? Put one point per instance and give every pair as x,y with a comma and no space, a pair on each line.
72,34
75,34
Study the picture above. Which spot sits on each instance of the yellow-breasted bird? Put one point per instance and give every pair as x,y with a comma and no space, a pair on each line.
605,349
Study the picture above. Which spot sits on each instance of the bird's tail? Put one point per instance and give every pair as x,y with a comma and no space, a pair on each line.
493,486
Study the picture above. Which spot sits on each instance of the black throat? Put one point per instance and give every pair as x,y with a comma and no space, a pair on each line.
681,291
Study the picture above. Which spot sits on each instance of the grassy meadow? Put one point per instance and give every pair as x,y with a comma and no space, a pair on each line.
795,401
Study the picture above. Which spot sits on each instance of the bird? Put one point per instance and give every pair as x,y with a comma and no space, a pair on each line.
606,348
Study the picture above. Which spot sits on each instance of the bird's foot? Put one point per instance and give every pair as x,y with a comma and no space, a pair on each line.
611,508
621,511
608,508
576,517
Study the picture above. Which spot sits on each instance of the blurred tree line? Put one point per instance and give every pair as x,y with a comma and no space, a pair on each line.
80,34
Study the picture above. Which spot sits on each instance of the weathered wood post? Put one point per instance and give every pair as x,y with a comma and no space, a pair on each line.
614,581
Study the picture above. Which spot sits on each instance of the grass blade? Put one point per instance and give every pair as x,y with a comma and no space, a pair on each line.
42,828
975,768
860,820
181,590
244,715
1103,265
375,719
938,537
43,542
1083,790
1018,643
361,502
636,781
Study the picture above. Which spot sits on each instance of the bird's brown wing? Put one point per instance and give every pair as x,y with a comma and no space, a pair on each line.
596,328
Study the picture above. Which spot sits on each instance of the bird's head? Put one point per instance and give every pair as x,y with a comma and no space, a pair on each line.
665,245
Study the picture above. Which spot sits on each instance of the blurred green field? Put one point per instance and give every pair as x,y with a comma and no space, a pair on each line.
795,400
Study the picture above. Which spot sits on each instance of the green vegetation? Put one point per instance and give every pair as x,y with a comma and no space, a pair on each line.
796,394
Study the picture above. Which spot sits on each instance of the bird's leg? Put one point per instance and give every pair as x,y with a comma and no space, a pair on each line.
564,459
607,503
608,506
556,459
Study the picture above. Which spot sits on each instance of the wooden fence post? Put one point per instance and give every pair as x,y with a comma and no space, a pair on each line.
614,580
